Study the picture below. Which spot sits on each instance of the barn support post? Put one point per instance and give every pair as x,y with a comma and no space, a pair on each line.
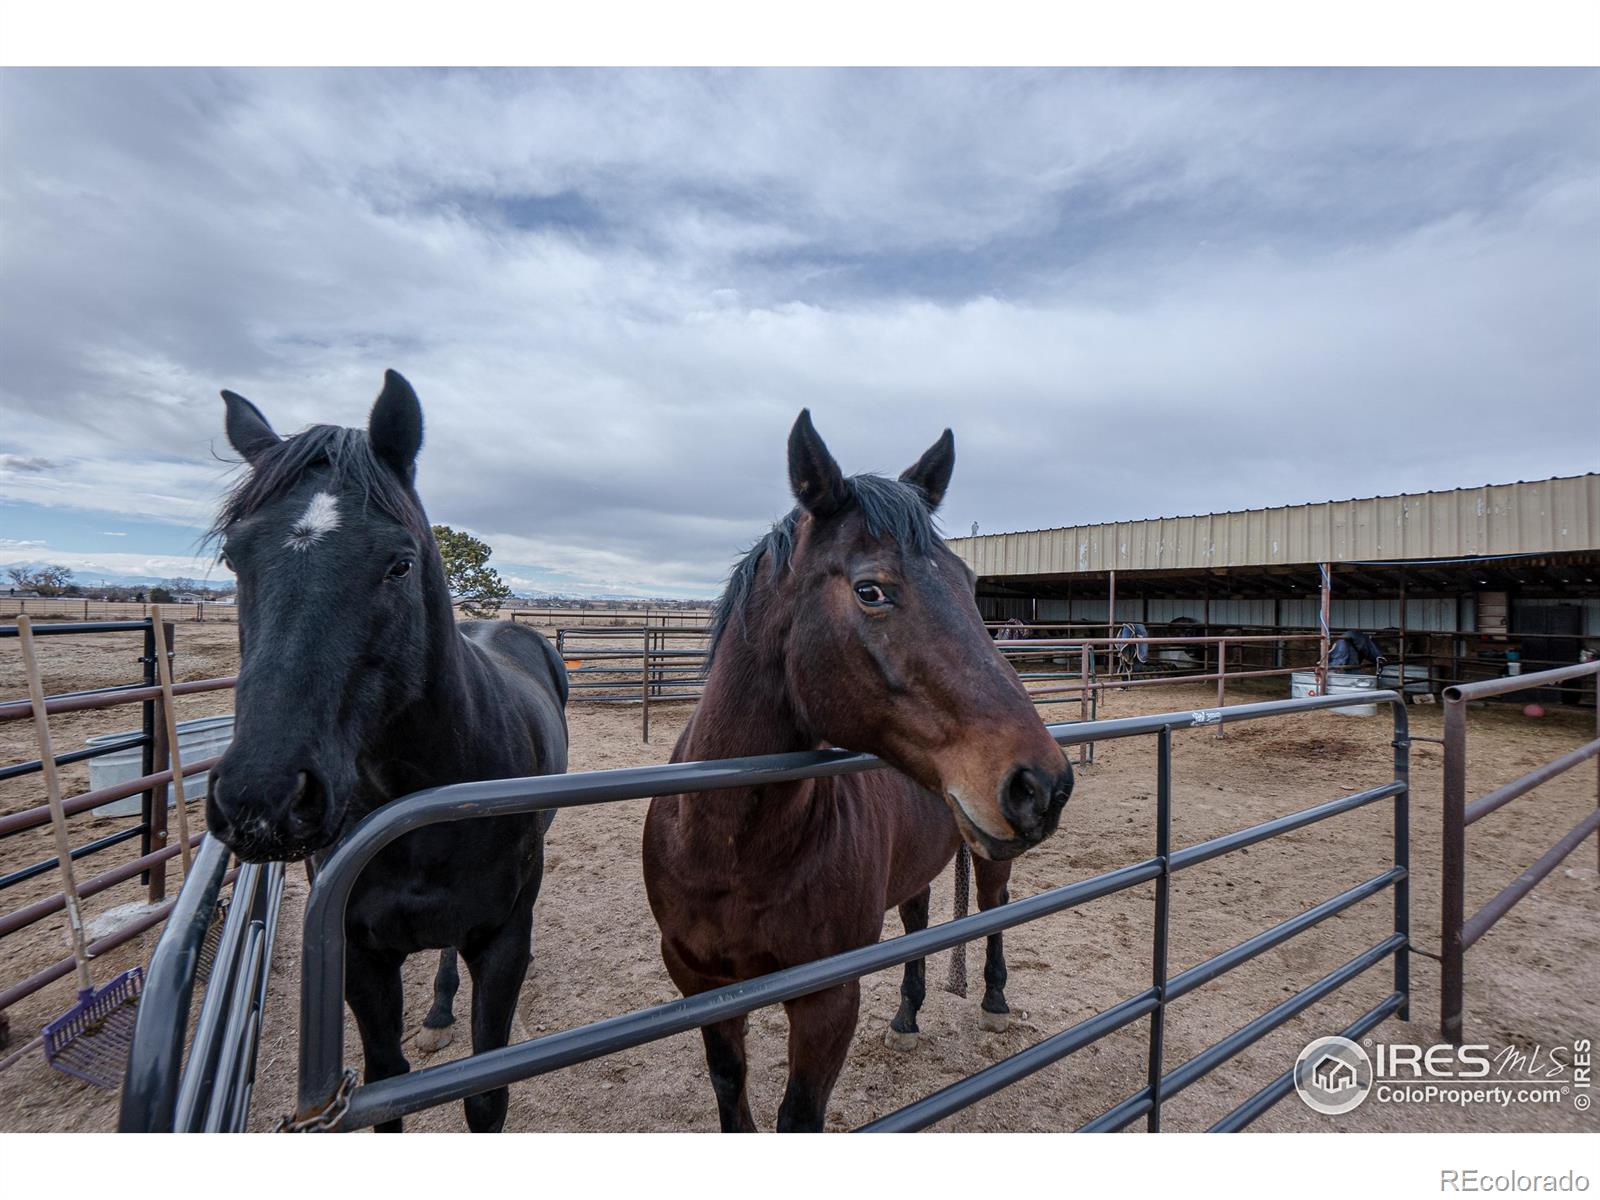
1456,640
1322,654
1111,608
1402,622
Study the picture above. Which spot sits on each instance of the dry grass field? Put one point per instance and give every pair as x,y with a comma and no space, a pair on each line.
1535,980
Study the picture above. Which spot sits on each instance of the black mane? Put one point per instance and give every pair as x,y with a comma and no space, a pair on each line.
892,509
348,452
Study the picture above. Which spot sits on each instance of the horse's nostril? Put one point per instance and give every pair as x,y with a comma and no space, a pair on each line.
308,796
1024,798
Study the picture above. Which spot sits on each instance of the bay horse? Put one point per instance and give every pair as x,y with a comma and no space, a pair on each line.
358,686
850,624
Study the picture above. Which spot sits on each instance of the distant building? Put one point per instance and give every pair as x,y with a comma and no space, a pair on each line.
1460,583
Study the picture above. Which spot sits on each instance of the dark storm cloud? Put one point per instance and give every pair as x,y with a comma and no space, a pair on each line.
1130,293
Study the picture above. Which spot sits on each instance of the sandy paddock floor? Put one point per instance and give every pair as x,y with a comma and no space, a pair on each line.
1535,980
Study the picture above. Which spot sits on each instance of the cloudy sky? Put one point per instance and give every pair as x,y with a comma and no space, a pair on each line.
1131,294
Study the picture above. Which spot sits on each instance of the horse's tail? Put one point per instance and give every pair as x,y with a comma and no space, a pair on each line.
957,982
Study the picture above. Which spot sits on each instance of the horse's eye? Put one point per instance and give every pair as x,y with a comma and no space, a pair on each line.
871,595
401,569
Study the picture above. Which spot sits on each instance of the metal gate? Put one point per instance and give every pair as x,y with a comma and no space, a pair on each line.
1458,931
329,1098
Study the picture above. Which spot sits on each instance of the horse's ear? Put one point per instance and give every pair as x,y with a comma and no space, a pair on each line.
248,431
395,427
814,477
931,473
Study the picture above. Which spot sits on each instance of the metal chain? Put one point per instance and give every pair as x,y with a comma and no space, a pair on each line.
325,1118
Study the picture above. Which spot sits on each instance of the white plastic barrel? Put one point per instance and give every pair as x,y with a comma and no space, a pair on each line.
1416,678
204,737
1304,683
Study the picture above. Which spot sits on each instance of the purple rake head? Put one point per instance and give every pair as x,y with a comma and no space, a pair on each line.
91,1039
212,942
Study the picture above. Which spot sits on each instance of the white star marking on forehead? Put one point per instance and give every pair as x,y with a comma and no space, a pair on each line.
321,517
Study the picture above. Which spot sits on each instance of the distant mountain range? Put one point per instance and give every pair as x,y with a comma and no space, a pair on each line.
96,578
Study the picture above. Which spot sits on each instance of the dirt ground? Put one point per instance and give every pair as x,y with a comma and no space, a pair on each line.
1534,980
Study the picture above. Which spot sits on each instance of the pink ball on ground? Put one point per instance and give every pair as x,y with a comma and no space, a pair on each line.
1533,710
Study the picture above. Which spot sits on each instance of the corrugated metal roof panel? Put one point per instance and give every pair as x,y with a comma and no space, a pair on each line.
1543,517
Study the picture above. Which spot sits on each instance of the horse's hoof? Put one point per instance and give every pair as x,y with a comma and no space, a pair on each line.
992,1022
896,1040
431,1040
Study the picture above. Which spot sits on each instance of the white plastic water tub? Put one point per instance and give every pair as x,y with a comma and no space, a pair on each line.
1304,683
204,737
1416,678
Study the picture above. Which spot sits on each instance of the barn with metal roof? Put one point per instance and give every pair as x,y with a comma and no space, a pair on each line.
1457,578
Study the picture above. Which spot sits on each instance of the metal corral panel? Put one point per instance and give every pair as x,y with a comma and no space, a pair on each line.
1546,517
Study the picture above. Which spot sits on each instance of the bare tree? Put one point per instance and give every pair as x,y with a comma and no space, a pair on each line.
51,579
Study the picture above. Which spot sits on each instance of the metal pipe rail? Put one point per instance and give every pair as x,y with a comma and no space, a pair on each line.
1457,931
617,631
150,1089
211,1092
88,609
111,697
632,617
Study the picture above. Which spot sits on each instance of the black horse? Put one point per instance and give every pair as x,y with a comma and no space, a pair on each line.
357,686
1355,649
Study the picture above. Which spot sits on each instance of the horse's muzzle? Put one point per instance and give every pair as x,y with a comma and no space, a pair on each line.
270,816
1032,800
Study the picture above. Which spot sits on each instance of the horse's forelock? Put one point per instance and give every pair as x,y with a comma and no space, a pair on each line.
891,510
346,452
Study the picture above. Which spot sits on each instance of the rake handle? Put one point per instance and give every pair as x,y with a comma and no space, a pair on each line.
58,815
170,717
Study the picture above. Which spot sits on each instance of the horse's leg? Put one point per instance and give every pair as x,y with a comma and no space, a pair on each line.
726,1063
435,1033
725,1057
498,966
902,1032
994,1014
820,1027
372,989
